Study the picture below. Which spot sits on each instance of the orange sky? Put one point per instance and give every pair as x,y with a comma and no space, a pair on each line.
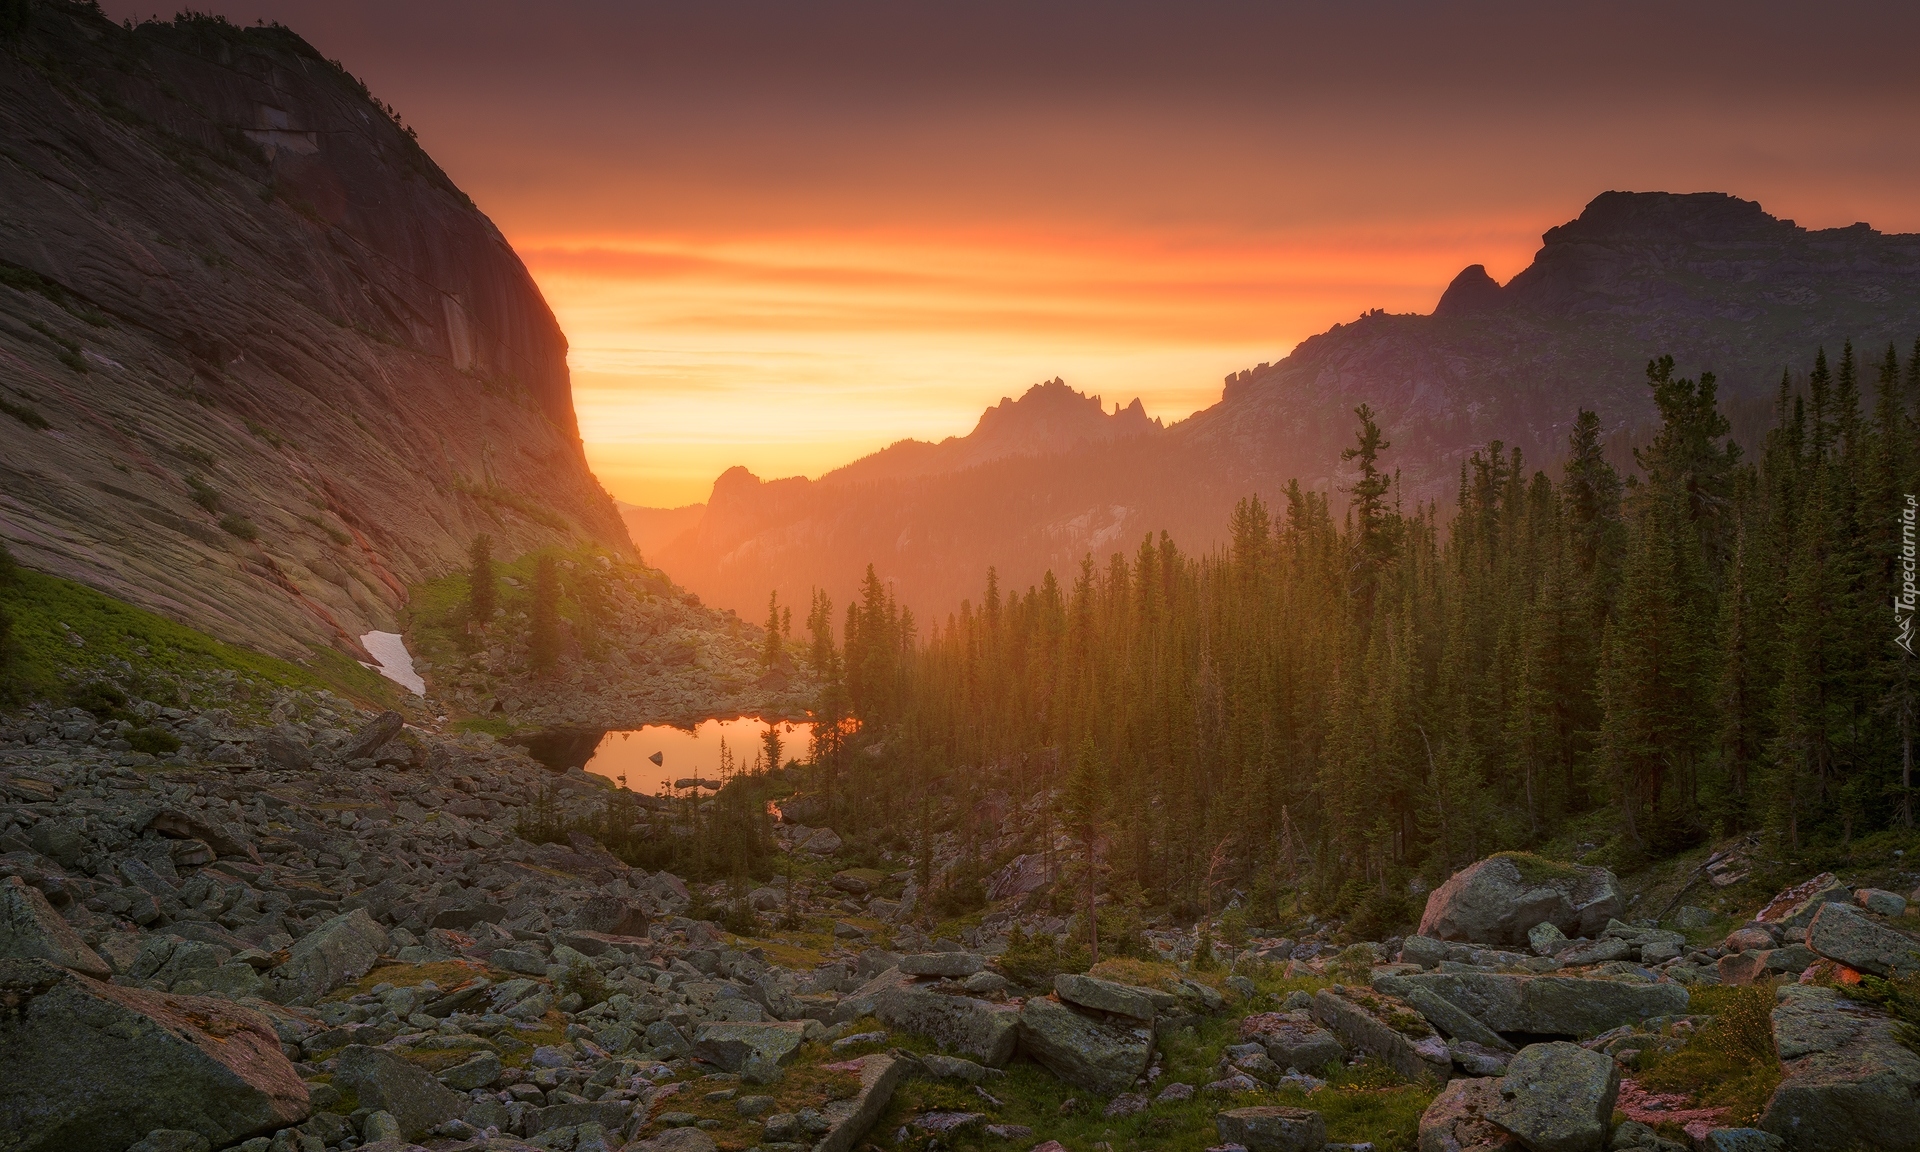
783,235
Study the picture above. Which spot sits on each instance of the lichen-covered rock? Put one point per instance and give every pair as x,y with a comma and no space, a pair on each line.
1843,933
337,952
1453,1020
949,964
731,1045
31,930
1456,1121
90,1067
1545,1005
1499,899
1385,1027
848,1120
1273,1129
1105,996
1848,1080
1557,1097
1085,1052
1293,1040
1797,906
386,1082
980,1029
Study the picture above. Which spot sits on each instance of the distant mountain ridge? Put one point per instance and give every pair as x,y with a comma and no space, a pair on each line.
264,365
1708,277
1049,418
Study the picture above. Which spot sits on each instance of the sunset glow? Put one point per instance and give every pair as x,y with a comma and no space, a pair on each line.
783,237
795,355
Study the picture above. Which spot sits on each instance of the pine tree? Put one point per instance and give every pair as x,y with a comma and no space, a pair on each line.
1081,812
482,587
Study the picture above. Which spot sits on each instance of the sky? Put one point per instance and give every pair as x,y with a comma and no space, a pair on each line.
785,234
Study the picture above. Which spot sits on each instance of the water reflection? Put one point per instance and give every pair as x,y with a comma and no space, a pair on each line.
687,757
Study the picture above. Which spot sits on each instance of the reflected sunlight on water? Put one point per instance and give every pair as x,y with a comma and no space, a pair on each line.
690,754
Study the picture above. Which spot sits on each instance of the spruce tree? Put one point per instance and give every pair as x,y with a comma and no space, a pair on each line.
482,588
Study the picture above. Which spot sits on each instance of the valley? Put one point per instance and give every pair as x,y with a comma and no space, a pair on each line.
1481,731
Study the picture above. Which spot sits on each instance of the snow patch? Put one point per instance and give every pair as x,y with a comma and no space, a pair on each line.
396,664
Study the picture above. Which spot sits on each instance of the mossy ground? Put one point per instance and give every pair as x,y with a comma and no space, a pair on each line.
65,634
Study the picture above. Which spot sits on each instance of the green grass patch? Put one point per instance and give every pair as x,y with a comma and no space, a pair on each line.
1538,869
1731,1063
808,1082
66,636
497,727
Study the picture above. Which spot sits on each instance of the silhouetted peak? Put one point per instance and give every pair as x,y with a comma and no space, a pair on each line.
1471,291
1674,217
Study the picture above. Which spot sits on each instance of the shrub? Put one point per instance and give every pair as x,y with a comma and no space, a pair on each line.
204,494
239,526
1731,1062
154,741
1033,961
25,415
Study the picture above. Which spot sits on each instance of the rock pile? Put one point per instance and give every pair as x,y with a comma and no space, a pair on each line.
327,931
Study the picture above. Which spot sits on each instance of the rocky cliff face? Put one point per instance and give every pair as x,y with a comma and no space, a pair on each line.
1712,279
264,365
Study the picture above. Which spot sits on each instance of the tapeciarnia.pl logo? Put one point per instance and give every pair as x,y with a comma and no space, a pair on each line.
1905,599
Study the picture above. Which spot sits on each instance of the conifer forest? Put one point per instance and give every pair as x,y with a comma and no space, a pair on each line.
1355,703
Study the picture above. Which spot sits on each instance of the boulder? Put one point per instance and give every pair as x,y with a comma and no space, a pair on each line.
980,1029
338,952
1019,876
385,1082
1085,1052
1105,996
1558,1097
731,1045
1272,1129
1424,951
373,736
176,824
1293,1040
1881,902
1478,1059
849,1120
1457,1121
953,965
91,1067
478,1072
1453,1020
1848,1082
1545,1005
610,1115
1797,906
1385,1027
1499,899
1845,934
31,930
824,842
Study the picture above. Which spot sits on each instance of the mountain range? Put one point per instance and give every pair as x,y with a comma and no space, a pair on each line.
262,365
1710,278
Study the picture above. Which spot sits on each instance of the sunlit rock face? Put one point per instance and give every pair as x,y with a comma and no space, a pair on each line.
284,366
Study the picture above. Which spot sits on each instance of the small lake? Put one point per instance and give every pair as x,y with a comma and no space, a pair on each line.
686,754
